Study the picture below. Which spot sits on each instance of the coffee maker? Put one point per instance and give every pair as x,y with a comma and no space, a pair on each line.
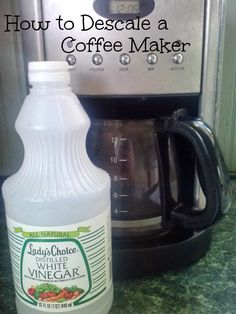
144,60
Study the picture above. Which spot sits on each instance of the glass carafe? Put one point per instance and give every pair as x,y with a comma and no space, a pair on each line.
153,165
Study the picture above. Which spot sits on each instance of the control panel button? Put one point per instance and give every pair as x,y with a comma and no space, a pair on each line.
178,58
69,44
125,59
97,59
152,58
71,59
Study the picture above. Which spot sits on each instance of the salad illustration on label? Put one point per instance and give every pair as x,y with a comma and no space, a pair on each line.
47,292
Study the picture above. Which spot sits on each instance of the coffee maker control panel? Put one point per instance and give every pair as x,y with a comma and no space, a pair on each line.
128,47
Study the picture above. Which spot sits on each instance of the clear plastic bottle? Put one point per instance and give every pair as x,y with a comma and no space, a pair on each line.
58,204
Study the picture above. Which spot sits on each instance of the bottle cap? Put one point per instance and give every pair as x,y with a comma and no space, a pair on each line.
48,71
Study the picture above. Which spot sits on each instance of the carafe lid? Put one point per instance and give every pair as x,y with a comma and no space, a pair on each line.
48,71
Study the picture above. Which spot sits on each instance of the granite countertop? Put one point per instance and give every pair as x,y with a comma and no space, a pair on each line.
207,287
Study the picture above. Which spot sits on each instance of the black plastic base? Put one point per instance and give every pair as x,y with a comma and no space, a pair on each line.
171,252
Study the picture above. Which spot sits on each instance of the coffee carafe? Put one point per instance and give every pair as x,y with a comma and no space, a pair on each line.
149,172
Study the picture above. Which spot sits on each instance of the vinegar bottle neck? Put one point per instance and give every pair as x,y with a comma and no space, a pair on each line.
48,87
49,75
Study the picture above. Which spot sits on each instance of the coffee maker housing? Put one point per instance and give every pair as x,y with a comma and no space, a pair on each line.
138,60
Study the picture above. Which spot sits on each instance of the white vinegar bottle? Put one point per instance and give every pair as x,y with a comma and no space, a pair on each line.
58,205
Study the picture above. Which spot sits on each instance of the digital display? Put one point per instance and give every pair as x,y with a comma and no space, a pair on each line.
124,7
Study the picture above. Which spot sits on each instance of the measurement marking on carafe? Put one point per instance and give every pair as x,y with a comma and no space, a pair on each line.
116,195
123,179
123,160
123,139
118,211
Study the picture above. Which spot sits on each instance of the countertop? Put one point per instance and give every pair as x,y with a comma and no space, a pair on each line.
207,287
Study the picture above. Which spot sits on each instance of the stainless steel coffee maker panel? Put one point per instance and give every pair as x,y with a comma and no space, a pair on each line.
173,73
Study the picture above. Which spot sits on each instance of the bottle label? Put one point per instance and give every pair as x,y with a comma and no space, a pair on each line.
61,268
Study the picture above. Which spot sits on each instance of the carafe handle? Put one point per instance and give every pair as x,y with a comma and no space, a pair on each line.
219,162
207,155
